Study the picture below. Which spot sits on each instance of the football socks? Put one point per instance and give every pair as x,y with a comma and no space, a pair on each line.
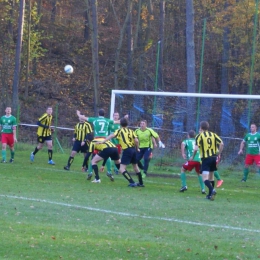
70,161
183,179
128,177
36,150
246,171
140,179
50,154
4,155
95,168
216,175
12,154
202,185
108,164
208,184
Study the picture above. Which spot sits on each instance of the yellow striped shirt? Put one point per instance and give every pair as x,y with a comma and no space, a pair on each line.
126,137
208,143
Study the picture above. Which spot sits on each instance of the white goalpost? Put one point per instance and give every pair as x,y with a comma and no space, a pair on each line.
175,94
173,114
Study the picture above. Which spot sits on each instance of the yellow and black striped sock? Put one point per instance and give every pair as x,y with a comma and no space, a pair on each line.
128,177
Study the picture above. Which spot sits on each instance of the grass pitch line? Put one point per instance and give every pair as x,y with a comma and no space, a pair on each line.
58,170
80,172
132,215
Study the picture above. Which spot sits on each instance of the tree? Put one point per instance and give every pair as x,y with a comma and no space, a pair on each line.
28,48
95,59
130,80
18,56
190,52
119,45
161,46
53,10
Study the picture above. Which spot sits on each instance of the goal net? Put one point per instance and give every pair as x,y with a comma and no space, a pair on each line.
173,114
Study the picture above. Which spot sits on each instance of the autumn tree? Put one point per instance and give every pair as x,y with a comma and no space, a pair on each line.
15,101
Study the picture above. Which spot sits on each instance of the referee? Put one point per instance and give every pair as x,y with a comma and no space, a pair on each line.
210,146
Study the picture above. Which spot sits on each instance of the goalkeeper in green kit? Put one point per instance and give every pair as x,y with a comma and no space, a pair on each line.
146,137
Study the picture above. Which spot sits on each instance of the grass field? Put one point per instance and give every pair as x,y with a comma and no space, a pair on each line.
50,213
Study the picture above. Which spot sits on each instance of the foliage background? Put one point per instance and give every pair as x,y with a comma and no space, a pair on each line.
61,34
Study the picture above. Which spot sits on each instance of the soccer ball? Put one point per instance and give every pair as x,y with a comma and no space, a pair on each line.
68,69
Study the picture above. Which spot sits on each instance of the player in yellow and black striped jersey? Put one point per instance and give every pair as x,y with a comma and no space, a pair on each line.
44,132
208,143
80,142
130,145
210,146
102,151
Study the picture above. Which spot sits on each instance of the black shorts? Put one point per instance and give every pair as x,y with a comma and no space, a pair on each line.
111,152
129,156
78,148
209,164
42,139
144,153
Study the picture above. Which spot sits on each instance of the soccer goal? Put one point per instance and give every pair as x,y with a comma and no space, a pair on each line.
173,114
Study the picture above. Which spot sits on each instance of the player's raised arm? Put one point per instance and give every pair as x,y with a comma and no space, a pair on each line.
81,117
118,121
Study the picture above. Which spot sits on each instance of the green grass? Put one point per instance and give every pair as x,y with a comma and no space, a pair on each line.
50,213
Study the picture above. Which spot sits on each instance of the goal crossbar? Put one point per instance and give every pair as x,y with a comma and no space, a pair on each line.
175,94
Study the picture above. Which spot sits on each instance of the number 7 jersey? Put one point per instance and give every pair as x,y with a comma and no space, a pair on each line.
101,125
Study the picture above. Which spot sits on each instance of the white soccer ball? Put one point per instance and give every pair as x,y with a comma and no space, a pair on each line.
68,69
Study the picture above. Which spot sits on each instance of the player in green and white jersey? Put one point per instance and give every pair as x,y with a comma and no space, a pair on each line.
101,127
252,142
187,148
8,133
112,129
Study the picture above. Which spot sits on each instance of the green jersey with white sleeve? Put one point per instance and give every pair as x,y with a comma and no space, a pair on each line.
189,148
101,125
7,123
252,143
112,129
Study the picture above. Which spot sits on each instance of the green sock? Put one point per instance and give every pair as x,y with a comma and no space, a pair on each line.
108,165
183,179
115,168
90,169
246,171
202,184
4,155
12,154
217,176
